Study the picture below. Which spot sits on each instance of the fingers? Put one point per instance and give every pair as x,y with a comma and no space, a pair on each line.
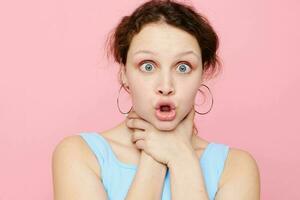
132,115
137,124
137,135
140,144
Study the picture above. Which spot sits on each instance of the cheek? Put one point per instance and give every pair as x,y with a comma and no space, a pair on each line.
135,88
139,90
189,90
140,96
187,96
140,86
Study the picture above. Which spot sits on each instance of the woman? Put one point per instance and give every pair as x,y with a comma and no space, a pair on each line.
165,50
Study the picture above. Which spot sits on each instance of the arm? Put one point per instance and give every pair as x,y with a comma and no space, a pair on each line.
242,179
149,179
187,181
72,176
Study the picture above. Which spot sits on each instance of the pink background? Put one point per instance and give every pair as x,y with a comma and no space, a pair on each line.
55,81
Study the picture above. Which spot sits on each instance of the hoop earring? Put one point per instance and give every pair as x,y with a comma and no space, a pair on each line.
212,101
194,106
126,113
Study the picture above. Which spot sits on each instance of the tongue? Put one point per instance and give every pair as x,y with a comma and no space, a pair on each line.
165,109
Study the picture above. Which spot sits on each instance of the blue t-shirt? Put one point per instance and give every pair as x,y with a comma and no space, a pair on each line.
118,176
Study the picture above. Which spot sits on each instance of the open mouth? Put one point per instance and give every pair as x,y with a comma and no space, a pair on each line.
165,108
165,113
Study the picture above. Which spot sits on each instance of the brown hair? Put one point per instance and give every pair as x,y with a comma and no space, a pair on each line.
175,14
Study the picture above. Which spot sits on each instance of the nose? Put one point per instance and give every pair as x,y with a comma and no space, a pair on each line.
165,86
165,91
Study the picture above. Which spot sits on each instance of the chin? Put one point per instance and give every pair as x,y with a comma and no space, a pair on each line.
165,125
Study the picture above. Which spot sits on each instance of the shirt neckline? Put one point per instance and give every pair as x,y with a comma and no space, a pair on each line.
133,166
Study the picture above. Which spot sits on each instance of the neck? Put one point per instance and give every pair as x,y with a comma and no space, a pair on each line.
196,140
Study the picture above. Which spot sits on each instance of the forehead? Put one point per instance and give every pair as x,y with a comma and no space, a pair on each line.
164,39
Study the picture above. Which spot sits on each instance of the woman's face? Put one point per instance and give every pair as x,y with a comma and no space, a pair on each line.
163,63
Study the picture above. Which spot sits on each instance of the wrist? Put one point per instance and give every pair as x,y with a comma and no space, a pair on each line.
185,155
146,159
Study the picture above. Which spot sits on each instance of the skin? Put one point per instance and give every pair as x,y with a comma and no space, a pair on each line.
164,80
143,140
165,73
173,149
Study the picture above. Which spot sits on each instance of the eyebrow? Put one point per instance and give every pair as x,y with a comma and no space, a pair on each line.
180,54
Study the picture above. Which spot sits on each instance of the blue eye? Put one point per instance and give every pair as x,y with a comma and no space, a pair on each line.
148,66
182,67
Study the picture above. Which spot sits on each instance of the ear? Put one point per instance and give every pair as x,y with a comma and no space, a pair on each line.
124,77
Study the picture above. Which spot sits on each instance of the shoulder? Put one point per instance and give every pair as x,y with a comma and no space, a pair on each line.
72,176
69,145
74,149
240,170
